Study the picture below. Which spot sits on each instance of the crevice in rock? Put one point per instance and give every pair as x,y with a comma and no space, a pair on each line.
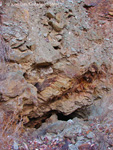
56,47
81,113
89,6
83,83
92,4
37,122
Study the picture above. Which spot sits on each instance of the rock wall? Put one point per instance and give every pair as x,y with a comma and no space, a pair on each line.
60,61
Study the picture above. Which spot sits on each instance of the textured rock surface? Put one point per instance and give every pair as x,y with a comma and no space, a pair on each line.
61,61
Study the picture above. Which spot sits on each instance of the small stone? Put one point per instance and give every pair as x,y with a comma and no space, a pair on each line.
41,1
72,147
91,135
70,121
79,1
70,1
85,146
73,50
78,143
23,48
59,37
15,44
56,26
106,39
19,57
80,138
56,127
25,119
58,17
50,15
68,55
45,34
72,136
55,44
31,45
45,22
70,14
47,55
52,119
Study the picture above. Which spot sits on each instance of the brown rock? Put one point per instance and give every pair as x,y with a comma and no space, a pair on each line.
41,1
29,96
58,17
54,86
56,26
52,119
50,14
45,22
85,146
30,45
23,48
15,44
25,119
15,84
59,37
20,57
72,102
55,44
45,54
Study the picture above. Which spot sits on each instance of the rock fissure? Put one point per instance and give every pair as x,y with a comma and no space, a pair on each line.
54,116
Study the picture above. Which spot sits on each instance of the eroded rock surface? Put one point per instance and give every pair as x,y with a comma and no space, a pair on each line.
61,61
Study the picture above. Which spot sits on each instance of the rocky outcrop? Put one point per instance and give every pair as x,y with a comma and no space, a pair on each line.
60,62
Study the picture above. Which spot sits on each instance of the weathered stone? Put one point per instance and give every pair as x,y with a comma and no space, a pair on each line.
59,37
91,135
56,128
23,48
41,1
15,84
45,22
50,14
56,26
69,104
70,134
55,44
29,96
54,86
30,45
85,146
70,14
16,44
20,57
72,79
52,119
45,54
25,119
72,147
58,17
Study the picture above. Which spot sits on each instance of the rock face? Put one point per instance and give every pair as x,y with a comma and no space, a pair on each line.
60,60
